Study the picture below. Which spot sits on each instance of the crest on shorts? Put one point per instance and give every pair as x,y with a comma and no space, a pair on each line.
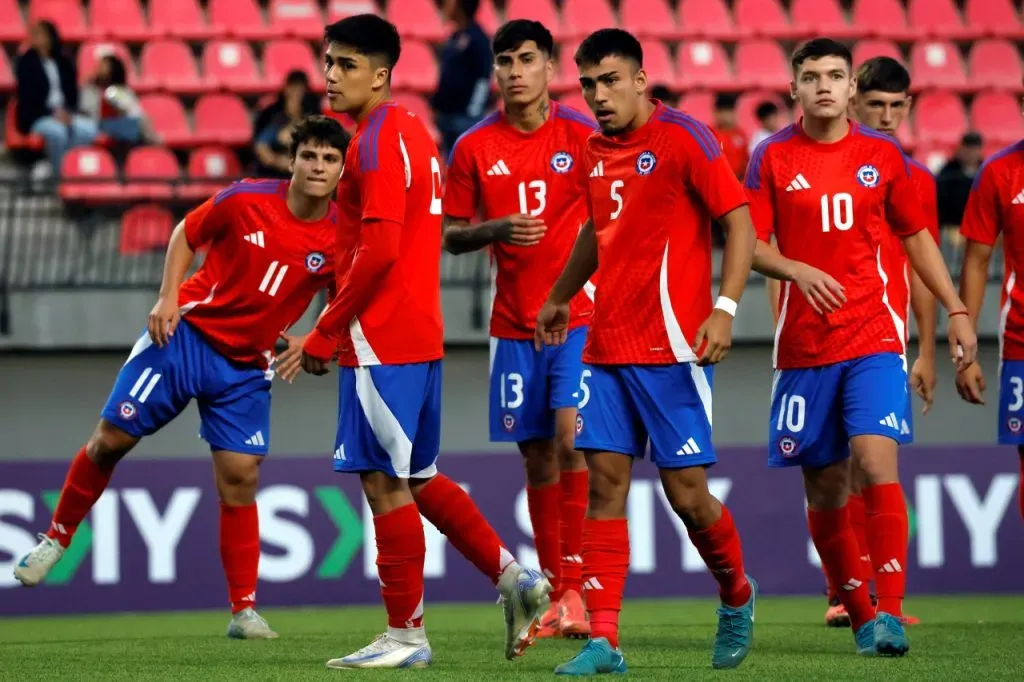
579,424
127,410
787,446
509,422
315,261
646,162
561,162
867,175
1014,424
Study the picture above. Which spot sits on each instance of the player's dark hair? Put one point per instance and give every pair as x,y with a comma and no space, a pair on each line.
118,73
319,130
883,74
368,35
818,48
609,42
512,34
725,101
766,109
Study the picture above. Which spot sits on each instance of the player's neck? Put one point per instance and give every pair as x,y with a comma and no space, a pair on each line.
531,116
643,115
376,99
826,130
305,208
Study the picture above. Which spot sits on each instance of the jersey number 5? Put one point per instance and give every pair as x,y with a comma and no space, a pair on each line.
841,214
613,192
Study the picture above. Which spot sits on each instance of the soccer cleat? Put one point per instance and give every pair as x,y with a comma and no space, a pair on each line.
386,652
836,615
247,624
549,623
865,639
35,566
910,620
572,617
890,637
597,657
524,599
735,633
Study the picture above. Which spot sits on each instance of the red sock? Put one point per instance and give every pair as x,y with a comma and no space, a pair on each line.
240,553
859,523
888,533
545,517
830,589
719,546
575,489
84,484
605,566
401,551
453,511
837,546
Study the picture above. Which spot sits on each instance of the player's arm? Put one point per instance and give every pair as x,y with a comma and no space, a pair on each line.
923,304
460,236
553,318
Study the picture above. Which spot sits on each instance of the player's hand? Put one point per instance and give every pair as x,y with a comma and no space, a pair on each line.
970,384
963,342
289,363
521,230
552,325
821,290
315,366
922,380
163,320
715,334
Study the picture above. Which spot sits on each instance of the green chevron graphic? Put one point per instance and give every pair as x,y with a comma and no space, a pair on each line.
350,532
65,570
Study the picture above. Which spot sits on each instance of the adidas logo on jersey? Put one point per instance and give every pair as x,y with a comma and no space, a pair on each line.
799,183
598,171
256,439
690,447
499,169
1019,199
256,238
891,420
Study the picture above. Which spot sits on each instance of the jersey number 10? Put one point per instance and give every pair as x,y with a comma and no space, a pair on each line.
841,214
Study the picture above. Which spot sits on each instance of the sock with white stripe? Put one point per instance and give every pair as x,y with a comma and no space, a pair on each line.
840,557
719,547
605,566
84,484
240,553
888,532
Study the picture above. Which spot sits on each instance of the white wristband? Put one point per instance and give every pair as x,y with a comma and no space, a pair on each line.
726,304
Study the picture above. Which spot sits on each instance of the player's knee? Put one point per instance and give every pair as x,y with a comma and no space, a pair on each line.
569,458
608,492
828,487
108,444
540,461
875,460
687,493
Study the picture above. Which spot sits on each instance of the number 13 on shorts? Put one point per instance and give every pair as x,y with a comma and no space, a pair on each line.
1011,403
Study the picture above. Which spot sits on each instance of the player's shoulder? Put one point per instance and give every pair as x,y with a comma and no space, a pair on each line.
765,151
920,172
251,188
681,128
470,140
884,145
1003,160
579,123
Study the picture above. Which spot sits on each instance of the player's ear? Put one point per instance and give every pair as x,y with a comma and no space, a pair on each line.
381,78
792,90
640,80
853,87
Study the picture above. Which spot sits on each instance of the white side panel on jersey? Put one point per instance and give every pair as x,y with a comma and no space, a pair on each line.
1004,313
901,327
782,320
589,289
494,285
676,340
700,380
365,354
383,423
189,306
405,162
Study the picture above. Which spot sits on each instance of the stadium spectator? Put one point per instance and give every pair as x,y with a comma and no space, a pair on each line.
770,118
465,86
954,182
734,140
108,101
273,136
47,87
662,93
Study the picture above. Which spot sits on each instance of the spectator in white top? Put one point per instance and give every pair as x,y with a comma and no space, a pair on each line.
109,101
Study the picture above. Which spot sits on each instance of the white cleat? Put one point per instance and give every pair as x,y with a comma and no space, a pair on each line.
35,566
386,652
247,624
524,599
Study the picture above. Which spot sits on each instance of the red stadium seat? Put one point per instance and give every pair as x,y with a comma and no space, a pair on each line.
282,56
939,118
7,83
339,9
210,169
181,19
576,101
996,115
761,18
67,15
882,19
167,116
12,25
648,19
864,50
145,228
89,174
995,18
487,17
230,65
939,19
820,18
583,17
13,139
168,65
702,64
658,63
150,173
996,64
700,104
90,54
906,137
761,64
238,19
417,19
746,108
118,20
418,71
566,73
934,155
296,19
543,11
705,19
222,119
936,64
418,105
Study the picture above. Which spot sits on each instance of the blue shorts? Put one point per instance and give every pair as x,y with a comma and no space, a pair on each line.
156,384
624,406
1011,402
817,410
528,385
389,419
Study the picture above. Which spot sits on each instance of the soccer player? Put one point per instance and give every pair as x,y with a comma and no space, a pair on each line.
270,251
656,179
996,207
521,169
384,325
831,191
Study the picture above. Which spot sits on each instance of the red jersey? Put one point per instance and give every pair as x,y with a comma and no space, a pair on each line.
996,205
387,310
262,270
652,194
735,145
501,170
833,207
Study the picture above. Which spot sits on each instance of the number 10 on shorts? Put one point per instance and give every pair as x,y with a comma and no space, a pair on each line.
792,411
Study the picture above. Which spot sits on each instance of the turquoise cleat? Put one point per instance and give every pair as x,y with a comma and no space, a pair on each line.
890,637
865,639
597,658
735,633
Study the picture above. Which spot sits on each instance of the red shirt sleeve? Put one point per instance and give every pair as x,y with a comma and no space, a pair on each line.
710,175
382,160
461,192
208,221
758,184
903,210
981,217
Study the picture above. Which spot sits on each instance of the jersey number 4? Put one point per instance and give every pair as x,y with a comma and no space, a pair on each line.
836,211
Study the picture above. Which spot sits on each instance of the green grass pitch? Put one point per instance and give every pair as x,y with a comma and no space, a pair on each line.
961,638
